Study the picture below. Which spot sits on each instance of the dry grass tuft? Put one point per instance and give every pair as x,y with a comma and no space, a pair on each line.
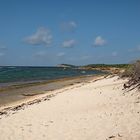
133,73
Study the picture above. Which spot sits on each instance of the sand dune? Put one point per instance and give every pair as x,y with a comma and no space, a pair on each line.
98,110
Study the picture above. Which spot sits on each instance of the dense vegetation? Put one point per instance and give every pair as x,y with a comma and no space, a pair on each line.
133,73
96,66
107,65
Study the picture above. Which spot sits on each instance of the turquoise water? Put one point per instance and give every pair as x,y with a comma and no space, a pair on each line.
21,74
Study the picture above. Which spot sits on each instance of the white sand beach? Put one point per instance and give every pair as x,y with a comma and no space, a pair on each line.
97,110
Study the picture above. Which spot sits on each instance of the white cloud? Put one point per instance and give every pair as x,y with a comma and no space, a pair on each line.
73,24
114,54
2,54
68,26
99,41
60,54
69,43
42,36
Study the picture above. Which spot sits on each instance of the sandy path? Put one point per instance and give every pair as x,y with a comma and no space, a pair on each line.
94,111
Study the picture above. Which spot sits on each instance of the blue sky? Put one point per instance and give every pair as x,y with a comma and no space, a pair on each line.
51,32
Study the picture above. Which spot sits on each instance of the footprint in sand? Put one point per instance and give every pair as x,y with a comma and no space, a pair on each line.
51,121
28,124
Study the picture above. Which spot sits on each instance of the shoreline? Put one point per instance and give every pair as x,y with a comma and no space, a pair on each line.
32,92
16,85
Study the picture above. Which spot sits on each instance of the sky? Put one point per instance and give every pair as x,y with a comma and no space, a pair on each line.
79,32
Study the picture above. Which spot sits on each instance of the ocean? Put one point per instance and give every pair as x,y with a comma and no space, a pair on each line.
10,74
